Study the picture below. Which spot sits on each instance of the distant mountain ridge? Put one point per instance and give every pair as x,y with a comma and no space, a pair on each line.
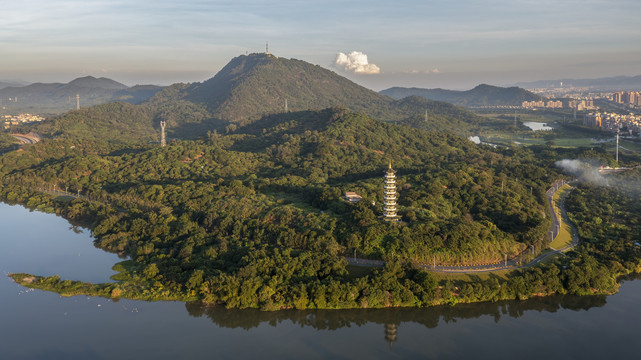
247,89
5,84
252,86
606,83
60,97
482,95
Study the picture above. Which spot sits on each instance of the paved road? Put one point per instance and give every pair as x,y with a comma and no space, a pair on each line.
575,232
513,263
30,138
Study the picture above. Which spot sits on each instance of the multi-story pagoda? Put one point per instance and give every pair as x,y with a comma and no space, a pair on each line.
389,195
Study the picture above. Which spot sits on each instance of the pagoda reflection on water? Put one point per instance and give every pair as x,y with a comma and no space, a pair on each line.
390,333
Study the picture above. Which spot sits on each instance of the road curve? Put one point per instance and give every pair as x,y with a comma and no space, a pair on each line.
505,265
30,138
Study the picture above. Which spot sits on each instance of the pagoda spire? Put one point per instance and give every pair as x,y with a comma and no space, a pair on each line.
389,195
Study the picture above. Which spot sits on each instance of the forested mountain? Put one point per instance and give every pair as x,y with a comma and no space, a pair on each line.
482,95
60,97
249,88
117,122
136,94
254,218
462,202
252,86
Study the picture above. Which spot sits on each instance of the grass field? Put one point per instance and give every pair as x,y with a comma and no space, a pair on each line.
356,272
500,130
550,259
564,238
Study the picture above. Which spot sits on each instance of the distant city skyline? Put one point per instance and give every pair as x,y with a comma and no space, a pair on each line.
378,44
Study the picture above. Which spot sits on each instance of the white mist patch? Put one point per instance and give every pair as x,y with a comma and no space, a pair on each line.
475,139
357,62
583,170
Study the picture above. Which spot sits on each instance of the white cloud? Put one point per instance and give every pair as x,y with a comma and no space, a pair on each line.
424,72
357,62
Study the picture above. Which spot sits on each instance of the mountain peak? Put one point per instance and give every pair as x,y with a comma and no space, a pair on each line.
485,87
254,85
92,82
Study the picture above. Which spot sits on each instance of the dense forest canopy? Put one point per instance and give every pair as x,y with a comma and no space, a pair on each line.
461,202
254,217
251,214
7,142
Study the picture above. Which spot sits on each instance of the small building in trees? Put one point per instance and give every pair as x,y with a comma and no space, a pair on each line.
352,197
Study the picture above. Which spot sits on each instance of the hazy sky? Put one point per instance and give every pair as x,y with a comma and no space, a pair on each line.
425,43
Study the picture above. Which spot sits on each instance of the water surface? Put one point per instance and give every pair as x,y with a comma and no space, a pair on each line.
41,325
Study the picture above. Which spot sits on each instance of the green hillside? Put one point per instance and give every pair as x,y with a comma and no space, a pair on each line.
252,86
255,218
116,122
449,187
246,90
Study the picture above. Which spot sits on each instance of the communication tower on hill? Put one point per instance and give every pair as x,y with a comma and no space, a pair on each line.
77,101
266,47
163,140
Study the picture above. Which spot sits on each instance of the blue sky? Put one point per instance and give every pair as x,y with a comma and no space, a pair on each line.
450,44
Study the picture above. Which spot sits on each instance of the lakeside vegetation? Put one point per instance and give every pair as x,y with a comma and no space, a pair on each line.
250,214
254,218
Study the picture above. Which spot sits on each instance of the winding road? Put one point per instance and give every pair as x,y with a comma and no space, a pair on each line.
30,138
514,263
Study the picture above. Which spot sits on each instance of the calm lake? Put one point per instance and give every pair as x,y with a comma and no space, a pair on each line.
41,325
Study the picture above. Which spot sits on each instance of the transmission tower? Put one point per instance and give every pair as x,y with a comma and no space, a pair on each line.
163,141
617,153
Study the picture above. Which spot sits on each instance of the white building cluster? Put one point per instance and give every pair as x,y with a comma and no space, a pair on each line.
550,104
579,104
9,120
612,122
